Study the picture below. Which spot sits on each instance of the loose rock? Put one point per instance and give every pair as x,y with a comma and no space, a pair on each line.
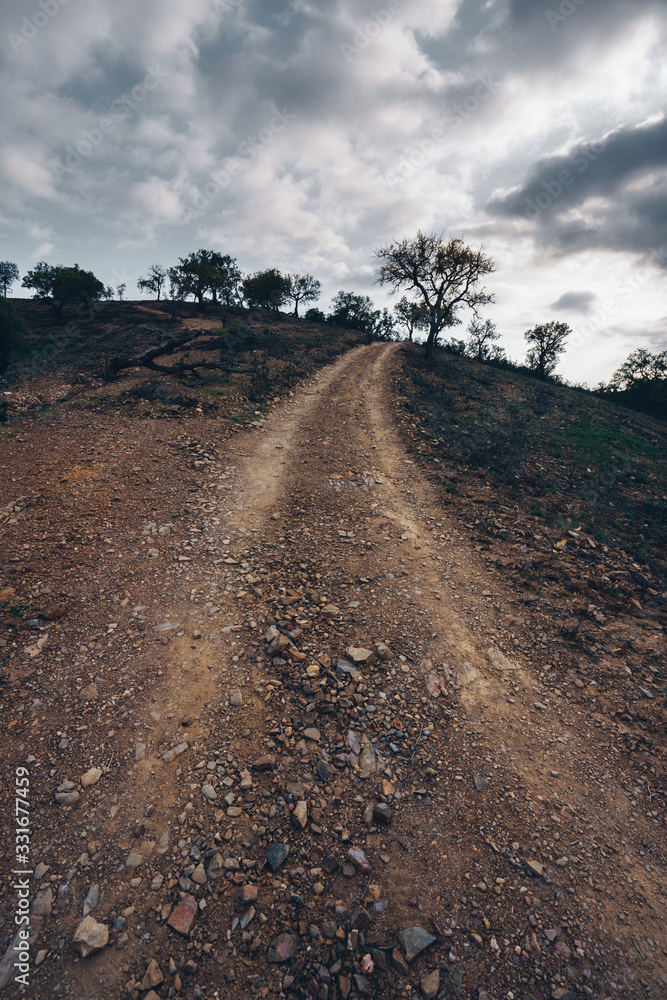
153,976
282,948
430,985
276,855
414,940
91,777
183,917
90,936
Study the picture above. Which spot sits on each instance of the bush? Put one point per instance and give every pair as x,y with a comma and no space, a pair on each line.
237,336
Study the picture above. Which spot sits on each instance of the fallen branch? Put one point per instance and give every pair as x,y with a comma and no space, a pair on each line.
190,341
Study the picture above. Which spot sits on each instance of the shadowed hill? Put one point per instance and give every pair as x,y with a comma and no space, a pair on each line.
540,466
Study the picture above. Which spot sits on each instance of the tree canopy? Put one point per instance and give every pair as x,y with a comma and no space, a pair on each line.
206,271
63,285
640,366
641,382
9,273
356,312
547,343
267,289
445,275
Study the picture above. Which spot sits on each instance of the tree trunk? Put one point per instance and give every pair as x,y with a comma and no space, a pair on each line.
429,347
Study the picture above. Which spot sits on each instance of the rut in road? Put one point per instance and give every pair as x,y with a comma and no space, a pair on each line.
335,537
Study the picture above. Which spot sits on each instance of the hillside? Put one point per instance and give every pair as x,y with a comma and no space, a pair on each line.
63,364
566,498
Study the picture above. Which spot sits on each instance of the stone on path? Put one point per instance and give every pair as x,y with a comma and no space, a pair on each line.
91,900
265,763
91,777
183,917
42,903
359,859
382,813
414,940
430,985
282,948
300,814
276,855
324,770
90,936
153,976
357,654
67,798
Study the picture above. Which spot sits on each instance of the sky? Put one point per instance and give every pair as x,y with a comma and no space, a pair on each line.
303,134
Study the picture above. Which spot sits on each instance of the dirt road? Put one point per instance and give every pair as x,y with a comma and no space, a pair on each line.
340,678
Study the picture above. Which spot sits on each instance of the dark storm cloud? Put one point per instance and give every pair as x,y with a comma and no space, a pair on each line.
574,22
575,302
607,193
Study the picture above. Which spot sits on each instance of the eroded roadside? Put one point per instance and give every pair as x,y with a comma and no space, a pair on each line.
478,804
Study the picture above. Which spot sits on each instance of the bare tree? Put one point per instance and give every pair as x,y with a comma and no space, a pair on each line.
303,288
481,334
445,274
547,342
154,281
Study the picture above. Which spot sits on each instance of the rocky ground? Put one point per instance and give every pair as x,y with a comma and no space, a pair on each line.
290,731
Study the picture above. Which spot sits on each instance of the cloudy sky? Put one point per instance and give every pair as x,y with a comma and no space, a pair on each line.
300,134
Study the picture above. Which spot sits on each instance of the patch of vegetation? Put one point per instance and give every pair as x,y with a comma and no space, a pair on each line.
268,353
563,458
